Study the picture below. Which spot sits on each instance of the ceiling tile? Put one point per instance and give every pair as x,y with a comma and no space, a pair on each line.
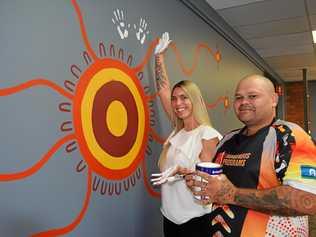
298,49
292,61
296,71
263,11
290,67
313,21
221,4
274,28
283,41
311,6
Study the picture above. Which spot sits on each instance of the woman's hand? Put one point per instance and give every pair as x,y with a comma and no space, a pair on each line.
172,174
163,43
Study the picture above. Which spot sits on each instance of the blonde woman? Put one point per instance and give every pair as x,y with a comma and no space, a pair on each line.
192,140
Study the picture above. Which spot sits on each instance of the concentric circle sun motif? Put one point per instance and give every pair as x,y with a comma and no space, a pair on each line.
111,118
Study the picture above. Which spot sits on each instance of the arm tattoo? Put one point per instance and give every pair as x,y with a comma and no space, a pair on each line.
160,77
282,200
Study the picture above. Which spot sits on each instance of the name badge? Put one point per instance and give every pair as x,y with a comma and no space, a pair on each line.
308,172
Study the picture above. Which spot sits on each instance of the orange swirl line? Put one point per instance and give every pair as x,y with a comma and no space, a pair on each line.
152,96
188,71
213,105
151,191
156,137
39,164
140,66
77,220
35,82
83,30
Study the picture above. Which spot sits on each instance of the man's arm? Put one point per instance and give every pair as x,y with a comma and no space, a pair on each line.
282,200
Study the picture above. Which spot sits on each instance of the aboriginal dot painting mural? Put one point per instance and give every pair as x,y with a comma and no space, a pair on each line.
81,123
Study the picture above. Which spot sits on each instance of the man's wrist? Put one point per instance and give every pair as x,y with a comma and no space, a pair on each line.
232,196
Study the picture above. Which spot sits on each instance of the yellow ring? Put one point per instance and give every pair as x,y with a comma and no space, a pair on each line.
97,81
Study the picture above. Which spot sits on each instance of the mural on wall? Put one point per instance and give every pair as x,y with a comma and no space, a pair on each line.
112,113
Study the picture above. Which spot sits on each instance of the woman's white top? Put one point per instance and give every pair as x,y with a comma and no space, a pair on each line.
178,203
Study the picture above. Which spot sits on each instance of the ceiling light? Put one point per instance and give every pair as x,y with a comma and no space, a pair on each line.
314,36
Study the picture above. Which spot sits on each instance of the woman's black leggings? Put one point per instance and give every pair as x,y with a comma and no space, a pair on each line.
196,227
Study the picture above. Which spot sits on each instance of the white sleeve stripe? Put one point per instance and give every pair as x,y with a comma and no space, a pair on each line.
301,186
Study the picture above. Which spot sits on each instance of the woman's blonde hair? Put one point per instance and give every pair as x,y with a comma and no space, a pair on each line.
199,113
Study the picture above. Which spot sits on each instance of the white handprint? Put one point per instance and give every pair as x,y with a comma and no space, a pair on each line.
121,25
141,32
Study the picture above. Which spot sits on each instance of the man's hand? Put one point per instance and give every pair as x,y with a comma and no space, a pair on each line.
214,188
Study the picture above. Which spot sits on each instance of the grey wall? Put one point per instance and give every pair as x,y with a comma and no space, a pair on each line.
42,39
